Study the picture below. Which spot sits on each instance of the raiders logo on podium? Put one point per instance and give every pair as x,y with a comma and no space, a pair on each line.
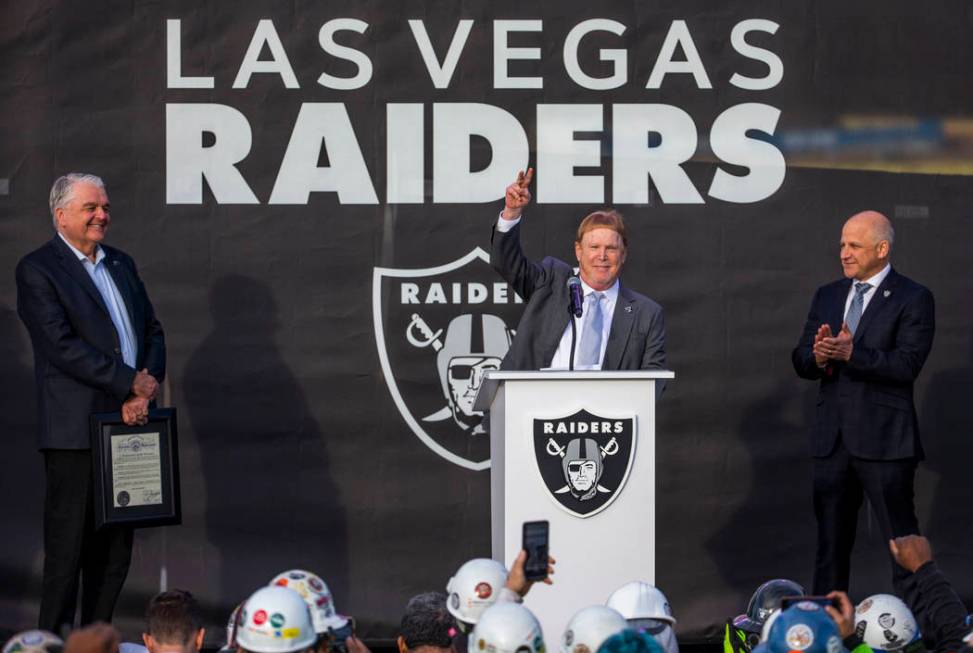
584,459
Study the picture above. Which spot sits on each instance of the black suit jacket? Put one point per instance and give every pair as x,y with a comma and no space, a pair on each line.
77,356
868,400
637,337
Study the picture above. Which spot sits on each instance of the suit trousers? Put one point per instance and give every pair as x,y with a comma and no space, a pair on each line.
73,548
841,480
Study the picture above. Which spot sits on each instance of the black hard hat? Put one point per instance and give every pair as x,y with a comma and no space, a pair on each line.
764,601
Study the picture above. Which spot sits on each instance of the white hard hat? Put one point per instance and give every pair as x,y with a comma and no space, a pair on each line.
232,625
474,587
885,623
506,628
316,594
32,641
639,600
591,626
275,620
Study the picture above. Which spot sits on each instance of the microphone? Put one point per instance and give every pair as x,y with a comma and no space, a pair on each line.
574,288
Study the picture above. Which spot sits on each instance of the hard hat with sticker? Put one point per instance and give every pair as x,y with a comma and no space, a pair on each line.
802,628
885,623
474,588
508,628
275,619
316,594
590,627
765,601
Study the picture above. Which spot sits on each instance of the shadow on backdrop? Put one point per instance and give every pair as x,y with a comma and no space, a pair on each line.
947,426
22,479
271,502
771,533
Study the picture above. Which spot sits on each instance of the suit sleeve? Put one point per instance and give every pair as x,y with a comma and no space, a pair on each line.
803,356
913,341
654,357
51,331
508,259
153,343
940,612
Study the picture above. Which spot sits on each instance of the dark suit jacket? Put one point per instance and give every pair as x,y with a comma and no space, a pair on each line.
868,400
77,356
638,333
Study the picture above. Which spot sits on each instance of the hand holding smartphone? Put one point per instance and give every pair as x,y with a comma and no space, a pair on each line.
535,543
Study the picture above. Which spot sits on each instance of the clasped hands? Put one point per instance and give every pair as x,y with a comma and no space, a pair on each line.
832,347
135,410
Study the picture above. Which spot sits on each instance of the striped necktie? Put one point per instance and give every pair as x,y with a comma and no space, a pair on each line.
857,306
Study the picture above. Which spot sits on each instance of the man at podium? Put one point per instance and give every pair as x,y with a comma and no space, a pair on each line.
619,329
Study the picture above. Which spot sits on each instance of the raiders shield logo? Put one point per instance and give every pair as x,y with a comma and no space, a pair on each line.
438,330
584,459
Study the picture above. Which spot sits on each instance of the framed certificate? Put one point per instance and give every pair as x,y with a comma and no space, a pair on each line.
136,470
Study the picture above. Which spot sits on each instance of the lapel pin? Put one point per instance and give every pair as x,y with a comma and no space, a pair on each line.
886,293
628,309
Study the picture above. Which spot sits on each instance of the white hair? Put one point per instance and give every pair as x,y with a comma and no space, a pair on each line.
63,190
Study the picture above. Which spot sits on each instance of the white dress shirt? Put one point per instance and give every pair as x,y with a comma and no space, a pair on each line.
875,281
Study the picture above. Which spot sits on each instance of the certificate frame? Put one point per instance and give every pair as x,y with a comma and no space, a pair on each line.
151,451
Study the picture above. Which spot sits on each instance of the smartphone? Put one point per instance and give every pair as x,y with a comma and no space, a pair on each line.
823,601
535,543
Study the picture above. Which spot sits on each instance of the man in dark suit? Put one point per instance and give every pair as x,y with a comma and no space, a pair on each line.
866,339
97,348
619,330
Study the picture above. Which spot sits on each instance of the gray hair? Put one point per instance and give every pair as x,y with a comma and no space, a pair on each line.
63,190
885,231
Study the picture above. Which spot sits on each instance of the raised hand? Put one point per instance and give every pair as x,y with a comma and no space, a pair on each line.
911,551
517,195
517,580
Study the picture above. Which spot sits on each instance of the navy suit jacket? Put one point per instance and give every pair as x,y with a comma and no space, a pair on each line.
77,355
869,399
637,336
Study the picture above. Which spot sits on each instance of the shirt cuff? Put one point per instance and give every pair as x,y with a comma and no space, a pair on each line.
507,595
504,226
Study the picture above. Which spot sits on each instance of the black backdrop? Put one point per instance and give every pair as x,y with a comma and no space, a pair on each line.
293,451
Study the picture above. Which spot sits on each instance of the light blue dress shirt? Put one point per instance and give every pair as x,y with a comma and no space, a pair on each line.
113,300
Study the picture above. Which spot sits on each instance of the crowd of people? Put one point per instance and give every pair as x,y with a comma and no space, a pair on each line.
482,611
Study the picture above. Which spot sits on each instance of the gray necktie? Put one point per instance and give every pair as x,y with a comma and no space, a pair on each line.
589,353
857,306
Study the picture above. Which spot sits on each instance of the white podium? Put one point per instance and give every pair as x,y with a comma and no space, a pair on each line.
576,449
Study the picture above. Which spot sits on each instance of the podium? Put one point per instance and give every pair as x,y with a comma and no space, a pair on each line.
576,449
